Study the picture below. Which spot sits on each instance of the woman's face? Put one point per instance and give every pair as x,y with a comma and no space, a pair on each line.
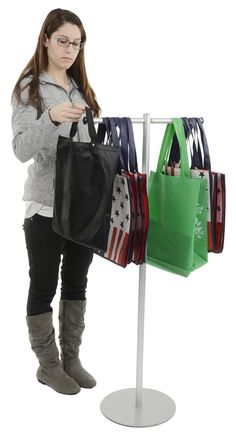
59,55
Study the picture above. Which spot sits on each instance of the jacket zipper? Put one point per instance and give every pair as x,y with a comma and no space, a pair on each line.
60,86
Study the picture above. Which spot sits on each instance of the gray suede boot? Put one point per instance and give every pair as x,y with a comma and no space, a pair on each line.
50,371
71,327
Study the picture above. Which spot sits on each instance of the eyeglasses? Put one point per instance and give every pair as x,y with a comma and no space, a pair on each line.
65,42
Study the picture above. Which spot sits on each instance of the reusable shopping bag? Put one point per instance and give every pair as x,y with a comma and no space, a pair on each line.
129,214
137,188
139,193
218,195
84,178
177,234
121,217
201,168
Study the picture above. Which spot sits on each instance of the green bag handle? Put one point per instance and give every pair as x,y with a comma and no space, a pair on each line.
176,126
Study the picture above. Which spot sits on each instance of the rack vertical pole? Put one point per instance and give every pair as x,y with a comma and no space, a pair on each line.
142,276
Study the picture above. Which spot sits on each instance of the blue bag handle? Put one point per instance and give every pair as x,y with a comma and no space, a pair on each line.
109,127
111,124
106,127
206,161
127,144
133,163
116,121
128,158
196,156
190,129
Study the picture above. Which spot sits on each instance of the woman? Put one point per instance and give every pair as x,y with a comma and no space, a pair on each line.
50,94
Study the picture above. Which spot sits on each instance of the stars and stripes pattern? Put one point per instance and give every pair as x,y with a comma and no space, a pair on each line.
219,206
118,238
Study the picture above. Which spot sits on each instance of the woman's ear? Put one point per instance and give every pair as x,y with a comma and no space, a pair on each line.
45,40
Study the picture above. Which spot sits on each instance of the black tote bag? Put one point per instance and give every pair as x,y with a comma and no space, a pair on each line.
83,188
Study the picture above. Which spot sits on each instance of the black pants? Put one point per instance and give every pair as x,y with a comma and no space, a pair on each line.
45,247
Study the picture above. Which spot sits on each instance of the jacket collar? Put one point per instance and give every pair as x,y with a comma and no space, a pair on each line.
44,78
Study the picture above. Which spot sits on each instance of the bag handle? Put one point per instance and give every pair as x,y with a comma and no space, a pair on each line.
101,133
128,158
207,161
110,126
124,158
128,151
175,127
114,122
190,135
107,127
133,163
91,127
195,152
196,130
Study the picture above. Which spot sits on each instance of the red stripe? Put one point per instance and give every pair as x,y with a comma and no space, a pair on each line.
122,259
117,245
112,243
209,235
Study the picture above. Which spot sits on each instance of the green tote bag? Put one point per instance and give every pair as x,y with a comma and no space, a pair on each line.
177,234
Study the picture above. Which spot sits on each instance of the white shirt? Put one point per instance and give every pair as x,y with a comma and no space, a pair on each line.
33,207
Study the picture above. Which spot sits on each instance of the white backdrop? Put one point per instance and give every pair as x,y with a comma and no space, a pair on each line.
169,59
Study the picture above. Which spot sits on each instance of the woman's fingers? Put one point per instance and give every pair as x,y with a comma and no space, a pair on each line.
74,112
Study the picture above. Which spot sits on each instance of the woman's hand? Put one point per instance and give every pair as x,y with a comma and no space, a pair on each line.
65,112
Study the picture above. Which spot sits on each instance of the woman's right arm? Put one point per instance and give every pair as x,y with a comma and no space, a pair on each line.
29,134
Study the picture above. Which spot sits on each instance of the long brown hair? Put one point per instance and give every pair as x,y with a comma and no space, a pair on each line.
39,62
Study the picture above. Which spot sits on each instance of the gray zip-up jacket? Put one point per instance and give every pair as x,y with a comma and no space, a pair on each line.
37,138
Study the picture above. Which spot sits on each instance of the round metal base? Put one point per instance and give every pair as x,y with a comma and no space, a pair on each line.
120,407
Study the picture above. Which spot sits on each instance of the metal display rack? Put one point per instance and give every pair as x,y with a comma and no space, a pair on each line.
139,407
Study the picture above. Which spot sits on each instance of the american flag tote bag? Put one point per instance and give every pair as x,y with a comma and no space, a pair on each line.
119,241
133,205
123,245
120,222
129,166
216,187
201,168
128,244
219,205
138,230
142,217
126,158
218,194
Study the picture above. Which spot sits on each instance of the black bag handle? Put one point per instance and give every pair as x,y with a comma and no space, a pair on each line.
91,127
